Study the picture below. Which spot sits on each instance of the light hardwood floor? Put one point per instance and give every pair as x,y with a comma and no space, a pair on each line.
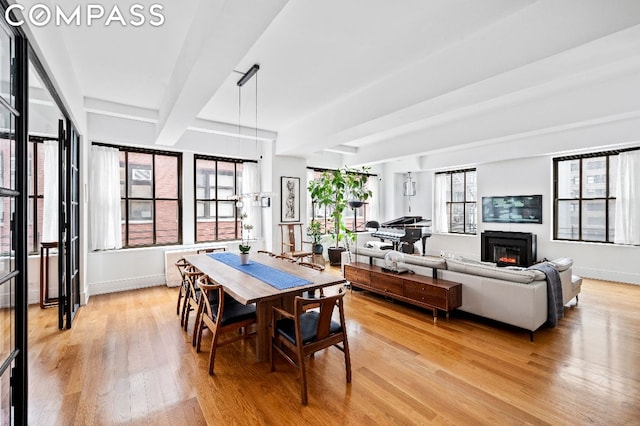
127,361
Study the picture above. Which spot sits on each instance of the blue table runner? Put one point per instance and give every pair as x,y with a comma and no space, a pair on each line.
272,276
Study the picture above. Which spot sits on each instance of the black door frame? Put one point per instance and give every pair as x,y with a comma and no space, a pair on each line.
23,53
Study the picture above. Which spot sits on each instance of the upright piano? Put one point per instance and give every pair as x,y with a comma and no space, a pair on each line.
405,229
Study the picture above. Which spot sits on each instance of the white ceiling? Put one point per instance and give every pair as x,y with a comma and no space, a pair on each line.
377,78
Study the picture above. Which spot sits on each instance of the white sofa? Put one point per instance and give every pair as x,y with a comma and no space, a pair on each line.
512,296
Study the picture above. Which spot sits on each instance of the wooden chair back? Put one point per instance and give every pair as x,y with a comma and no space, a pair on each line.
214,317
291,237
191,274
325,334
181,264
210,250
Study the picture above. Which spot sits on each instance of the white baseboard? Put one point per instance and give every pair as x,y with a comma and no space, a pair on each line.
607,275
127,284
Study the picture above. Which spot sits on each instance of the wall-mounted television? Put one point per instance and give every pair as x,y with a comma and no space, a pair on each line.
512,209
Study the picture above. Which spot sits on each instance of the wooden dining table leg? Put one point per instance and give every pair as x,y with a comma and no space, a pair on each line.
263,332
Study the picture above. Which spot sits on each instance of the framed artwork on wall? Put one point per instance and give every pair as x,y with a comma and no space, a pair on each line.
290,197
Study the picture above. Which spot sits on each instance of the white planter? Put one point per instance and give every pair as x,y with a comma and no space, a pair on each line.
244,258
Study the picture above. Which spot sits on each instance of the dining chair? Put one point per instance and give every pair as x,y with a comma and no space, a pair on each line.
181,264
315,266
210,250
285,257
292,243
220,315
267,252
302,333
192,297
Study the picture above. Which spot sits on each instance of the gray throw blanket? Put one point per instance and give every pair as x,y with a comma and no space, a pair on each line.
555,308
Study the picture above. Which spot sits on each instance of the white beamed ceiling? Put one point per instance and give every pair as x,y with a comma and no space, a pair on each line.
374,80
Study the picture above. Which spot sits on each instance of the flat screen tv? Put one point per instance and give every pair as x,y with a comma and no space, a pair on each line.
512,209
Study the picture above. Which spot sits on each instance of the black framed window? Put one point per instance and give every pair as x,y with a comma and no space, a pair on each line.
457,200
354,219
216,183
150,196
584,197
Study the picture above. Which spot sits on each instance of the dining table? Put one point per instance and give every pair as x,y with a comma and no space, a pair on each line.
247,286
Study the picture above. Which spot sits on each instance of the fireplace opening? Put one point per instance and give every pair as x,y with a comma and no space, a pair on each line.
508,248
506,256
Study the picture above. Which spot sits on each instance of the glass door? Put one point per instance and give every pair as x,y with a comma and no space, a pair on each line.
69,237
13,154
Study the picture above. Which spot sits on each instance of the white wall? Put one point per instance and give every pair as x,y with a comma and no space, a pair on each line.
529,177
292,167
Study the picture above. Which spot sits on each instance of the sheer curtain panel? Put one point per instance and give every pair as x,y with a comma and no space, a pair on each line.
104,199
627,223
50,205
440,216
251,185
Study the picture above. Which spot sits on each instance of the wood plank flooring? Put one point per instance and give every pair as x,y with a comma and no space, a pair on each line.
127,361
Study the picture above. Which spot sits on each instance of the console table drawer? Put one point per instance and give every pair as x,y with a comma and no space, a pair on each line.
386,283
430,295
356,275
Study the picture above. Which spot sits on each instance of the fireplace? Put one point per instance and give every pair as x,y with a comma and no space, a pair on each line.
508,248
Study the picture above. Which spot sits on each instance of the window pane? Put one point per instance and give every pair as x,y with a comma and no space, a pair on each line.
140,175
40,168
31,229
226,209
458,186
568,220
205,230
123,174
594,177
471,218
471,186
613,170
166,176
612,220
593,220
457,218
205,179
7,67
569,179
166,222
226,180
140,211
7,314
30,164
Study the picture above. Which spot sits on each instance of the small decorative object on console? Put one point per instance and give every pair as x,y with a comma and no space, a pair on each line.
391,260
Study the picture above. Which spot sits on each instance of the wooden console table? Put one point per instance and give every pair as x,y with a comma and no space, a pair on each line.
427,292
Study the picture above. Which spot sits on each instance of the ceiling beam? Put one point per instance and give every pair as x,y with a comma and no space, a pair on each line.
220,35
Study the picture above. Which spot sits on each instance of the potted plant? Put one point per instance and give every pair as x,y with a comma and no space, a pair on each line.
357,192
314,230
244,246
333,190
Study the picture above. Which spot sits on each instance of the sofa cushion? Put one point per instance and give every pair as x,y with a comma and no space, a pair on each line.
562,263
435,262
363,251
522,276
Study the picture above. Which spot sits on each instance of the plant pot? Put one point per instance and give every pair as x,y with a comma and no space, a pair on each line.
244,258
335,255
354,204
317,249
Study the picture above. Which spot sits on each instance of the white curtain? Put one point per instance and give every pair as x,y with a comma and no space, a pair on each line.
104,199
50,208
440,218
310,175
251,185
374,200
627,223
